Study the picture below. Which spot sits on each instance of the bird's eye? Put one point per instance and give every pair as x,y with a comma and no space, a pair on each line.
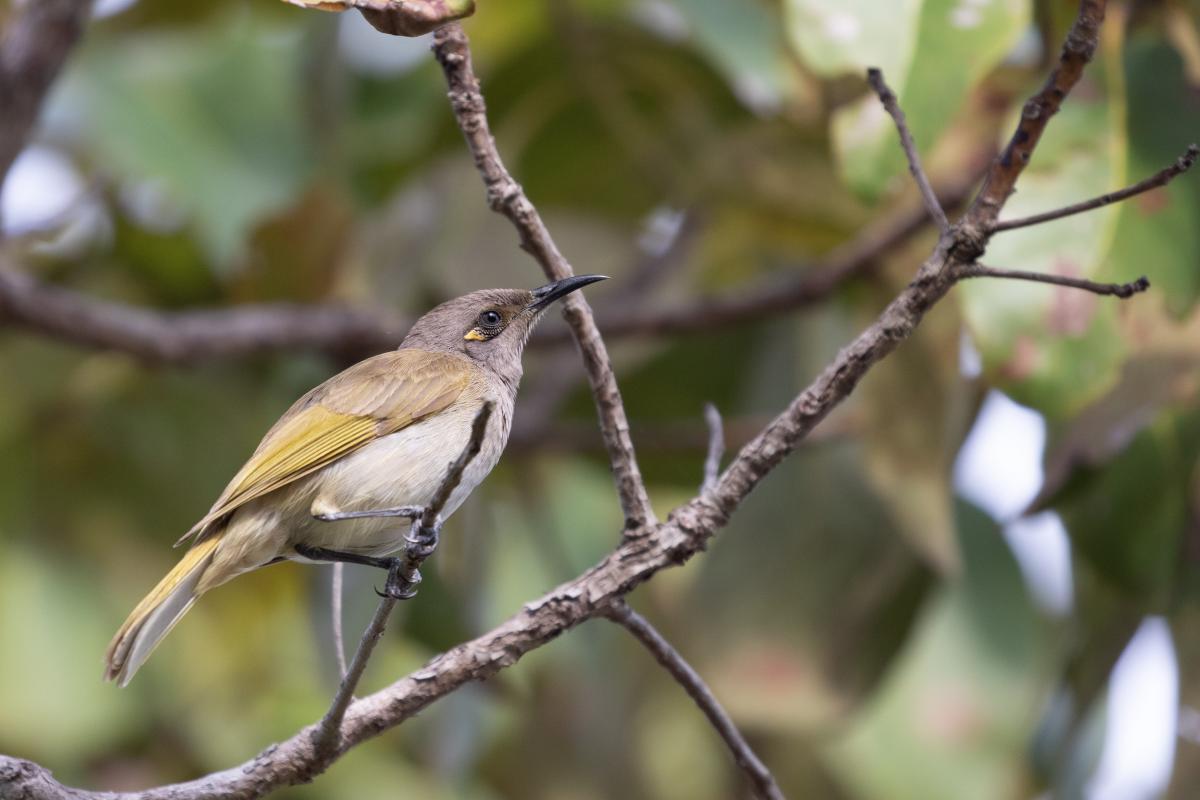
490,319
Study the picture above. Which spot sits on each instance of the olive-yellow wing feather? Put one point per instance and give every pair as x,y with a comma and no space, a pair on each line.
373,398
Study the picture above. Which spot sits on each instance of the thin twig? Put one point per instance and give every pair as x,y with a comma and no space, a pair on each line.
888,98
1122,290
328,732
335,609
1160,178
756,772
505,196
716,447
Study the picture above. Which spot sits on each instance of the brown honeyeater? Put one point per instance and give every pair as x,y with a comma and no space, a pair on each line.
378,435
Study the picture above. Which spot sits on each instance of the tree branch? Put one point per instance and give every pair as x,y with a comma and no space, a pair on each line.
1160,178
33,48
187,337
416,550
668,657
1077,51
505,196
928,196
1122,290
686,532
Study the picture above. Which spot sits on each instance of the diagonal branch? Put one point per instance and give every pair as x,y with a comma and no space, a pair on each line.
928,196
505,196
1158,179
425,528
668,657
1077,51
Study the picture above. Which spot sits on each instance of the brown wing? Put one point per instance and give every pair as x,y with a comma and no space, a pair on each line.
371,399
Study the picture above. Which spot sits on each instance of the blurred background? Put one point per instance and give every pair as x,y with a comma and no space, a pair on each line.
977,579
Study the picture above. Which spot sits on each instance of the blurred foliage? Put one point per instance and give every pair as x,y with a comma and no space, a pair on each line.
869,631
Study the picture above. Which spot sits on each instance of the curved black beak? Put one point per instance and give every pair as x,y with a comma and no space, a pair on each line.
545,295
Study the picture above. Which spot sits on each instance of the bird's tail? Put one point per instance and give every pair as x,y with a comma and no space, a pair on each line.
158,612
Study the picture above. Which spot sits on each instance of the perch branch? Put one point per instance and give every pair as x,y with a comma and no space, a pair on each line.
928,196
1160,178
669,658
505,196
1122,290
416,550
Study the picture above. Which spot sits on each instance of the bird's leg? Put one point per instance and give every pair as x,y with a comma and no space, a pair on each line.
403,574
325,554
408,512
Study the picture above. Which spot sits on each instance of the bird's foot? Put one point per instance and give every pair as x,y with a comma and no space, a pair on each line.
422,541
400,586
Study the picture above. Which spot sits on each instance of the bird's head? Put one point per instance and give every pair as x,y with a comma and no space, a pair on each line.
491,326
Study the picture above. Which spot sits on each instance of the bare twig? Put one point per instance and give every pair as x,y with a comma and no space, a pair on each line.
669,658
335,610
33,47
888,98
1160,178
505,196
416,550
716,447
1122,290
1077,51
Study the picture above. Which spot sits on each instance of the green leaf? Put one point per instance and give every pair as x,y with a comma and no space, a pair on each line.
742,39
932,54
214,112
1157,232
955,713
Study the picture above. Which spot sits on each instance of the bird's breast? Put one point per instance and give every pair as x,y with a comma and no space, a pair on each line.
401,469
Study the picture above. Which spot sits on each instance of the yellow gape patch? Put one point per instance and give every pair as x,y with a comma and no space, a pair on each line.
475,335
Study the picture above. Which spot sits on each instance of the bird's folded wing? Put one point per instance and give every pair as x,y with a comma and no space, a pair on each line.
373,398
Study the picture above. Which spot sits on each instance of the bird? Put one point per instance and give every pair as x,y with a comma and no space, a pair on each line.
378,435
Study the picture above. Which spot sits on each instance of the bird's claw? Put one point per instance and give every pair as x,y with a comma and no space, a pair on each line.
400,587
